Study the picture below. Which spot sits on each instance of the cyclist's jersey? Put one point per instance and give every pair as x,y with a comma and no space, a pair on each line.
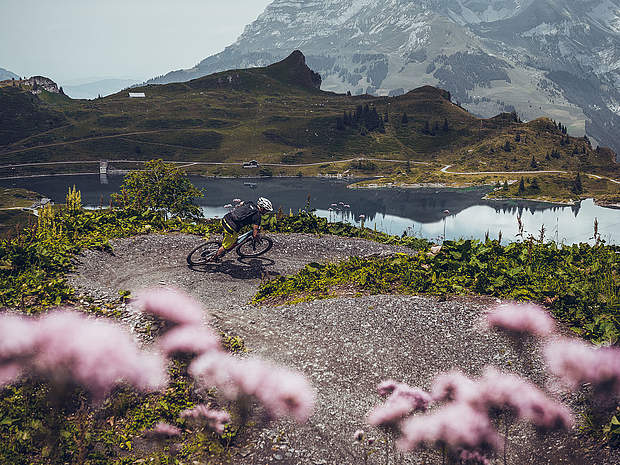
244,215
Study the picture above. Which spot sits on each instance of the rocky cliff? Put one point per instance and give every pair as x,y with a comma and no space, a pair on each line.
545,57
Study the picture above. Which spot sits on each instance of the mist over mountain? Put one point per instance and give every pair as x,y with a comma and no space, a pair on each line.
542,58
103,87
6,74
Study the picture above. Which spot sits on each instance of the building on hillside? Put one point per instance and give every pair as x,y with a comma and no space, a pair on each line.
136,95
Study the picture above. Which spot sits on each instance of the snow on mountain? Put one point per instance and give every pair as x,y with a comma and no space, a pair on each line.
559,58
5,74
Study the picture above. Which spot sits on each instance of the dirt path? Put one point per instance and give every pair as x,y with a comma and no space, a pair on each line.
595,176
345,346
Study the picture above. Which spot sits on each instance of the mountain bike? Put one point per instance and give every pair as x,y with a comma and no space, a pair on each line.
246,247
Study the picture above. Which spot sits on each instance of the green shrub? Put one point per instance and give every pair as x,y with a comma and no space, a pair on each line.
579,283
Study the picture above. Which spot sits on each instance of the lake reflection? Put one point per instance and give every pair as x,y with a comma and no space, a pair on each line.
416,211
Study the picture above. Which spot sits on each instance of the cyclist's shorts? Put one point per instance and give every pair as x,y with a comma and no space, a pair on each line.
230,236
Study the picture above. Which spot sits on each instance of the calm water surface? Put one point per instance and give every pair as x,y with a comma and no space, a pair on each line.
416,211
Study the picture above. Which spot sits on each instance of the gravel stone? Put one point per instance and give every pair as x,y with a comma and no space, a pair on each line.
345,346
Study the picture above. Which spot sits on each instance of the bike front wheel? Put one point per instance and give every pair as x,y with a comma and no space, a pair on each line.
203,253
250,249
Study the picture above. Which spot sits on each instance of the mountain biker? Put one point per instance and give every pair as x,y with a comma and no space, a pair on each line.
246,214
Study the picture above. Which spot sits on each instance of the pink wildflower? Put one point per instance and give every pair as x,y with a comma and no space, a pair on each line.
94,354
521,319
358,436
216,420
454,386
18,337
213,369
403,401
18,343
577,363
473,456
190,340
172,306
456,425
386,387
162,431
506,391
9,373
282,392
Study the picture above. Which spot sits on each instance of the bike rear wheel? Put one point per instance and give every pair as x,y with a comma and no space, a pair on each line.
249,249
203,253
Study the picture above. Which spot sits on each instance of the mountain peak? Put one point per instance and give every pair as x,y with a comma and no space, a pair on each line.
563,54
293,69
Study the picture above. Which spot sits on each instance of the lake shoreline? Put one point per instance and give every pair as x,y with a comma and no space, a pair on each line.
393,210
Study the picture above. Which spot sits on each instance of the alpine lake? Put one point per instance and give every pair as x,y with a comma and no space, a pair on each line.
431,213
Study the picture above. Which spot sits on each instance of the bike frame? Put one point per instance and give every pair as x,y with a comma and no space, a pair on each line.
241,239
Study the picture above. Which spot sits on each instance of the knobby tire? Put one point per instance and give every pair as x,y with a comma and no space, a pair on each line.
245,250
201,254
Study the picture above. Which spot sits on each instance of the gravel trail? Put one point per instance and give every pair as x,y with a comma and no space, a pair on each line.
345,346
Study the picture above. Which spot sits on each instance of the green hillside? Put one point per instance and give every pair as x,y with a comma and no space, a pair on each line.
278,115
23,114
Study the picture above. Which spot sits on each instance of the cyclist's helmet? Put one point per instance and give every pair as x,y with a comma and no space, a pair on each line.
265,204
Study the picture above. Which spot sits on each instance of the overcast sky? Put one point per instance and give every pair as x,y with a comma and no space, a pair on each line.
76,40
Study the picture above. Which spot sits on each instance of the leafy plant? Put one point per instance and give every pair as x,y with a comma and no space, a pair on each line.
161,187
578,283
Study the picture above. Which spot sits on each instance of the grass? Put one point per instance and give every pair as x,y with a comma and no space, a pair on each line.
560,188
552,187
267,113
11,198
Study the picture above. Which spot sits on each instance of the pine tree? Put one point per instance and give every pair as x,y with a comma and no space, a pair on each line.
381,127
521,186
534,186
507,147
533,163
505,186
577,186
404,120
446,127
